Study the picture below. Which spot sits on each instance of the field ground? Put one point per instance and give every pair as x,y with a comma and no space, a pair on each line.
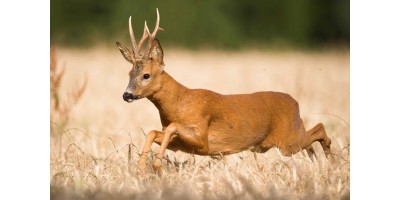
95,155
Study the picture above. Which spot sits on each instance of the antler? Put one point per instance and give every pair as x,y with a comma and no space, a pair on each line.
135,47
153,35
146,33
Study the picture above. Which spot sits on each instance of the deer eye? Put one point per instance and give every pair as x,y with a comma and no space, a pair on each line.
146,76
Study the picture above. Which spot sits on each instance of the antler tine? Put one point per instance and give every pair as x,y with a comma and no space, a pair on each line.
157,25
144,36
132,35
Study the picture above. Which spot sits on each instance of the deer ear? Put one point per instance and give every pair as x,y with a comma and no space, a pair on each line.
126,52
156,53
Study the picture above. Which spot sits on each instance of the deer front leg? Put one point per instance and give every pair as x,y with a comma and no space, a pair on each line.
194,136
151,137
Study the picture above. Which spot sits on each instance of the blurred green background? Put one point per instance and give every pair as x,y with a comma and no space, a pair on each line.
221,24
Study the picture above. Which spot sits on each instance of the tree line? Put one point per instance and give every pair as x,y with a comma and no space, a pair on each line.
210,23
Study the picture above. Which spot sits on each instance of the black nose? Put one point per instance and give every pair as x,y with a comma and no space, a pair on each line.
128,96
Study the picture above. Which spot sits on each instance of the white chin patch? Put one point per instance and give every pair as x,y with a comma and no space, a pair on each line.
130,100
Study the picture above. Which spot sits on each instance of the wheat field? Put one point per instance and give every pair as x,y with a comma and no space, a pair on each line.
94,155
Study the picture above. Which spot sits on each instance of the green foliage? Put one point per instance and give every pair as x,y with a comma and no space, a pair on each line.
210,23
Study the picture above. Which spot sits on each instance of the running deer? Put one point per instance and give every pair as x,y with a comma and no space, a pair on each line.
204,122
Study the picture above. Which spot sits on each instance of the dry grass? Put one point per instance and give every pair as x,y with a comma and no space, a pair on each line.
60,108
95,156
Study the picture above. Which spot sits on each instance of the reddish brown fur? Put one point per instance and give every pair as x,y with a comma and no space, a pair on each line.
204,122
228,124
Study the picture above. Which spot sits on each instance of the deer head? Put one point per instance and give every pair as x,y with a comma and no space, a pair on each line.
147,66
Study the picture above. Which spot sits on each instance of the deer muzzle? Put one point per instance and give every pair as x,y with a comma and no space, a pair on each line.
129,97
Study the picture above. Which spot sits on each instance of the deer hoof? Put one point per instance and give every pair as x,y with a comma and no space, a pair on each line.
142,166
157,168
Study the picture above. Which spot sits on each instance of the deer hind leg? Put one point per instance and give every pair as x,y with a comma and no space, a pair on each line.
318,134
152,136
310,149
311,152
189,135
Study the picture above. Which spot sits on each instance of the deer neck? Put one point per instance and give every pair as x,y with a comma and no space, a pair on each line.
167,97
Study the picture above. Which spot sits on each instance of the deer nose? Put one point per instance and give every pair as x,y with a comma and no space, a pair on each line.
128,97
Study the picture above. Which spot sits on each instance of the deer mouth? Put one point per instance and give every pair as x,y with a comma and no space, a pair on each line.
130,100
129,97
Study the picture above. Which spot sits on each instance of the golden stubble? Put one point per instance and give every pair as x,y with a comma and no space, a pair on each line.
98,151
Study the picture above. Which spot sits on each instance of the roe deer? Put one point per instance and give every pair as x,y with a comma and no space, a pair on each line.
204,122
